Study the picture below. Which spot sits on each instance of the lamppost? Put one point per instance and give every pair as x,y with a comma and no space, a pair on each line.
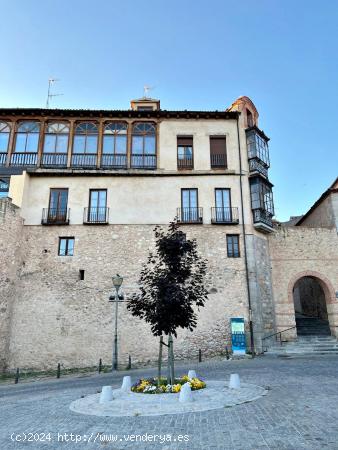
117,282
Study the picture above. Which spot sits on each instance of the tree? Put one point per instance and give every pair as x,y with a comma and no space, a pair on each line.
171,284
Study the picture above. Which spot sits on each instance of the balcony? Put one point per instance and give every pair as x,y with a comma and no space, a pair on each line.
84,161
143,161
3,158
112,161
218,161
263,220
190,215
96,216
256,167
54,160
24,159
224,216
185,163
55,216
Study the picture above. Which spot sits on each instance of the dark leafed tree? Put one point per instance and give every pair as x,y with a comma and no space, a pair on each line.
171,285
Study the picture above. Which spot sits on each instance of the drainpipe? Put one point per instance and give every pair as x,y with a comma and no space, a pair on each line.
252,344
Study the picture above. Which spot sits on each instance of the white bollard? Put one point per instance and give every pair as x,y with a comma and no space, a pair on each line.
106,394
185,394
234,382
126,384
192,374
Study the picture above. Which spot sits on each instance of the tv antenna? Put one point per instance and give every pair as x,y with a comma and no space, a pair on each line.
51,81
146,90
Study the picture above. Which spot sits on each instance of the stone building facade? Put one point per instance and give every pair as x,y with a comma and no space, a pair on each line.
94,184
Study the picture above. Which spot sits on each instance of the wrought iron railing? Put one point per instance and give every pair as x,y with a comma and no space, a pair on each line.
263,216
255,165
277,337
55,216
143,161
112,161
54,160
3,158
98,215
84,160
185,163
224,215
190,215
24,159
218,160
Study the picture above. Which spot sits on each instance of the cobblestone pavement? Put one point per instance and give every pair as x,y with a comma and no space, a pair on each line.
299,412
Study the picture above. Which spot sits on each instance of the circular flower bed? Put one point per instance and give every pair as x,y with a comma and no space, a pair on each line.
161,386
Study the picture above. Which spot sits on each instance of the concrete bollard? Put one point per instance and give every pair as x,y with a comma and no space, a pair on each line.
185,394
234,382
192,374
126,384
106,394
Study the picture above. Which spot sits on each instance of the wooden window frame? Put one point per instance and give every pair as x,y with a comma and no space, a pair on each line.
223,189
224,137
67,238
233,255
192,152
189,189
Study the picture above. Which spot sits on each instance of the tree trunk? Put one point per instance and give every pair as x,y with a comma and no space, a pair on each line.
172,368
169,362
159,362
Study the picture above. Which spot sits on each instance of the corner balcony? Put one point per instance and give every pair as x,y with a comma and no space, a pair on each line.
224,216
3,158
256,167
55,216
263,220
190,215
24,159
143,161
54,160
113,161
96,216
84,161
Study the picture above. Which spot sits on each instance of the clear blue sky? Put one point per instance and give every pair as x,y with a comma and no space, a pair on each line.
199,55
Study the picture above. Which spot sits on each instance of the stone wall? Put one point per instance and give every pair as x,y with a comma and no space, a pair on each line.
59,318
298,252
10,264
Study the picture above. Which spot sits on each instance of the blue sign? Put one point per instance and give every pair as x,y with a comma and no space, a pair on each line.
238,340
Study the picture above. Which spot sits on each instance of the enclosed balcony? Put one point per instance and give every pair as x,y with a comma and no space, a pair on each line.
84,161
224,216
143,161
55,216
24,159
96,216
53,160
262,204
113,161
3,158
190,215
263,219
258,152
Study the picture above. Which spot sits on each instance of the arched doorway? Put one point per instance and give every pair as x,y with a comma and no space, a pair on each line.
310,305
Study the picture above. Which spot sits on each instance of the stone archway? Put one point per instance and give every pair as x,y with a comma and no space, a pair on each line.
313,297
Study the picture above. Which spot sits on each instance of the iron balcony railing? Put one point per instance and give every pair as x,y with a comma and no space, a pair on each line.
84,160
3,158
54,160
218,161
224,215
190,215
55,216
143,161
185,163
262,216
111,161
24,159
255,165
98,215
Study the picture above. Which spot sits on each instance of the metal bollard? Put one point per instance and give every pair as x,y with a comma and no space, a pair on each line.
129,362
100,365
16,379
58,372
199,355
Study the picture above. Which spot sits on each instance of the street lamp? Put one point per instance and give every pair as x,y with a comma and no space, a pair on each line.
117,282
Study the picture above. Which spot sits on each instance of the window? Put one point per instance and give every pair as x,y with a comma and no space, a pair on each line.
261,195
27,137
218,152
4,186
57,212
85,138
249,118
97,211
257,147
115,138
233,246
66,246
185,155
190,212
56,138
4,137
143,145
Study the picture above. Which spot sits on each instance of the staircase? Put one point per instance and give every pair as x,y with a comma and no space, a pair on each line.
313,338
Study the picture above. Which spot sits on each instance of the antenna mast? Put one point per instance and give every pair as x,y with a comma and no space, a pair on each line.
51,81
